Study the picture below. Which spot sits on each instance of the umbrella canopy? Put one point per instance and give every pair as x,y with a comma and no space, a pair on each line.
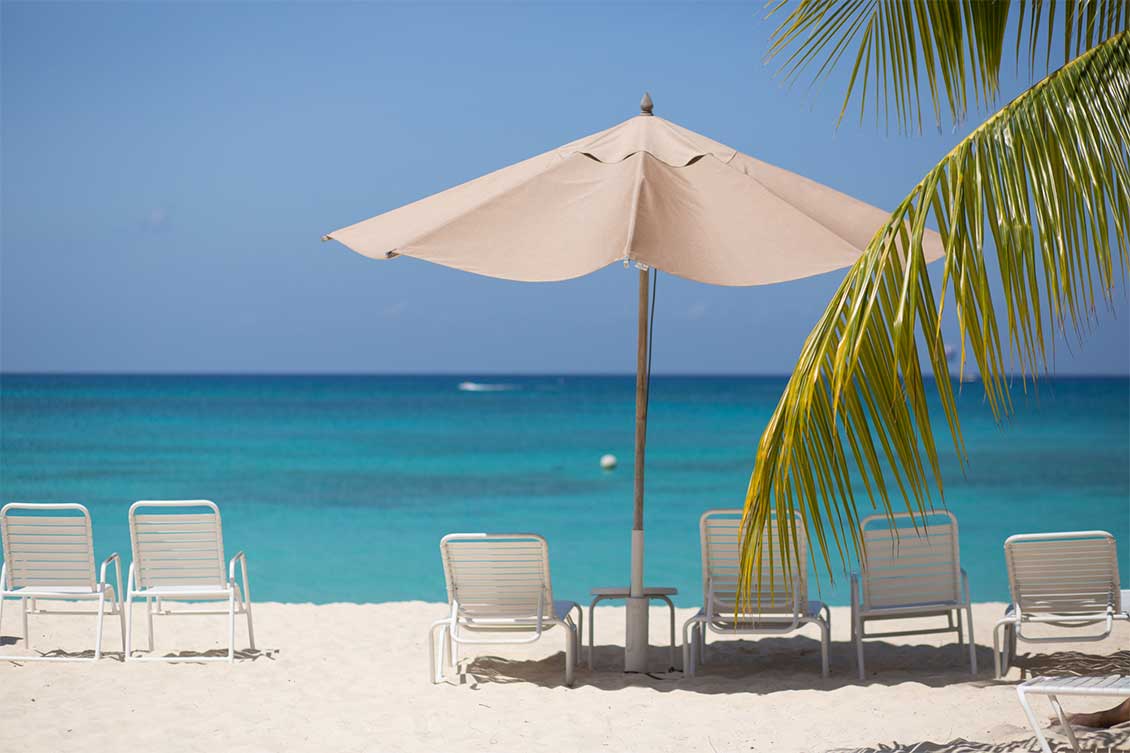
645,191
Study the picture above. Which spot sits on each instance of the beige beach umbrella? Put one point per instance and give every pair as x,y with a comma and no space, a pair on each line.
647,192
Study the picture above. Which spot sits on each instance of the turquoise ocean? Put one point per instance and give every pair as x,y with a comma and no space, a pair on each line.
340,487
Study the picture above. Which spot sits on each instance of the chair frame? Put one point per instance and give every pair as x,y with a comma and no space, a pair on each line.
862,611
106,594
694,629
1012,624
1086,685
460,628
238,599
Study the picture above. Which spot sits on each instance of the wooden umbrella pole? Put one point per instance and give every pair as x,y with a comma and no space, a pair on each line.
635,639
641,416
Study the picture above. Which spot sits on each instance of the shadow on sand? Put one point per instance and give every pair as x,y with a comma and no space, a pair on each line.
119,656
1099,741
769,665
1073,663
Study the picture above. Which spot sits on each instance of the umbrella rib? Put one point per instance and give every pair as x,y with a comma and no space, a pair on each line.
633,215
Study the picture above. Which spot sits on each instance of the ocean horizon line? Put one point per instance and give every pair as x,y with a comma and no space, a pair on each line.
495,374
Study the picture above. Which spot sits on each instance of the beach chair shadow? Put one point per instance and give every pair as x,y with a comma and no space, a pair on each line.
1073,663
1093,740
486,669
247,654
58,653
765,665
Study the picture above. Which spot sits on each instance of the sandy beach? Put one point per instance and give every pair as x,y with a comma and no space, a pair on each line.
349,677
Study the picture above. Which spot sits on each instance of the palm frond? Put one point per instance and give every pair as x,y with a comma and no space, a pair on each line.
957,46
1046,180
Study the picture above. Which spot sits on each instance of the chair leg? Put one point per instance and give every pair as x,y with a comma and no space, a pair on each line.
671,612
98,628
570,652
250,627
149,617
121,621
592,628
857,630
231,626
128,637
1032,721
825,638
972,643
1010,648
689,639
580,631
27,635
1067,730
436,665
960,632
997,658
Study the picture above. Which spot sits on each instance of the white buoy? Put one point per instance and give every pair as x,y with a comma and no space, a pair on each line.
607,462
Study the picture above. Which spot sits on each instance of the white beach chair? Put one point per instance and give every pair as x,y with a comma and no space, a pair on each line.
782,606
1087,685
908,573
1067,580
178,555
499,592
49,554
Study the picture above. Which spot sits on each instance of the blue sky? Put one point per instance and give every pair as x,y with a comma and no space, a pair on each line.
169,169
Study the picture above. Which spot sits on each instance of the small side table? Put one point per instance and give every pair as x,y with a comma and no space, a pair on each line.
603,594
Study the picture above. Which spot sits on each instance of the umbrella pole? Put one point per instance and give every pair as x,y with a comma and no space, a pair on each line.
635,640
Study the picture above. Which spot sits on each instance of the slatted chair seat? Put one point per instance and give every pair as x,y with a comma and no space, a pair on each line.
1065,580
49,554
910,569
178,555
499,585
780,605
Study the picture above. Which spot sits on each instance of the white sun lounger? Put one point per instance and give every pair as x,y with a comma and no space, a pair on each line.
1052,687
909,573
178,555
782,606
1068,580
49,554
499,592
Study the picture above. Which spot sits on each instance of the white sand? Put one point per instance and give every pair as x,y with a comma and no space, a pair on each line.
347,677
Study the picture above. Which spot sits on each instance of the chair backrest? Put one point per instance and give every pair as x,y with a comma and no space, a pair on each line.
1063,573
176,543
47,546
782,593
497,575
910,559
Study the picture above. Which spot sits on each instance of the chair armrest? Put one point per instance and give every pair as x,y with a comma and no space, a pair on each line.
241,558
117,560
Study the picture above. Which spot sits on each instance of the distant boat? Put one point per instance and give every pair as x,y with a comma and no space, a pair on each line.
480,387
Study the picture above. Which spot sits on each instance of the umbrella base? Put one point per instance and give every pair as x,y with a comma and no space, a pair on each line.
636,635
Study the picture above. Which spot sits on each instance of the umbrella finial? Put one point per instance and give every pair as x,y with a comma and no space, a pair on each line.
646,105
